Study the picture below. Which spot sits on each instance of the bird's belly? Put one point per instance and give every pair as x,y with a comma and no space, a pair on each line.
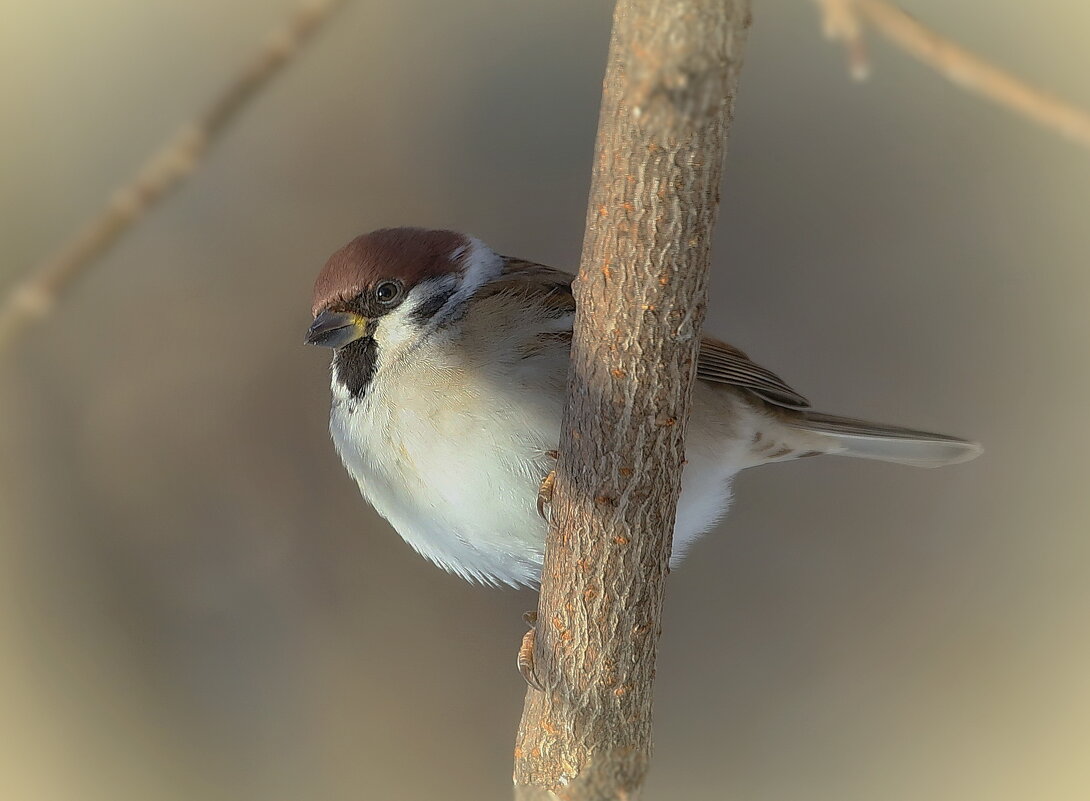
459,498
462,490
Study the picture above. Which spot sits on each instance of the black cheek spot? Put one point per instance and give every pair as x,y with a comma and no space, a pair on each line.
431,307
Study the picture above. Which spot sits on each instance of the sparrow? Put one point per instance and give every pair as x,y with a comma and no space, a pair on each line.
448,377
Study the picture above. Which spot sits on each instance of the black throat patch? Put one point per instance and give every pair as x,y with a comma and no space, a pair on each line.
355,364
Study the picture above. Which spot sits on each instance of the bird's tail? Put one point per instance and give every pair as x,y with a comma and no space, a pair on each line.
885,443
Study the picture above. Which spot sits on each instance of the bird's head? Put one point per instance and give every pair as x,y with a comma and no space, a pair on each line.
384,292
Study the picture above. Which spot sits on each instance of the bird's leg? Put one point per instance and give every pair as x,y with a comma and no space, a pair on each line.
545,490
545,493
526,653
526,650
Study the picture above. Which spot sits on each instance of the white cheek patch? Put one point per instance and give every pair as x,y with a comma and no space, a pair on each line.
482,265
401,330
398,331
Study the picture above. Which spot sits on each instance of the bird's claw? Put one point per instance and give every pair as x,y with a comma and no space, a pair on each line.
525,660
545,493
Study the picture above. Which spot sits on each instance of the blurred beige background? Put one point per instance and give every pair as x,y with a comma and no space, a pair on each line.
194,600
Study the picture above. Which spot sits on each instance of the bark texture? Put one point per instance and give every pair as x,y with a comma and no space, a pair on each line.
641,289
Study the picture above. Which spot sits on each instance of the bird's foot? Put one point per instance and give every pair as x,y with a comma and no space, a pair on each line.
526,653
545,494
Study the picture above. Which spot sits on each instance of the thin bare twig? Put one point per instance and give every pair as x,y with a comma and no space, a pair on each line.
844,21
35,295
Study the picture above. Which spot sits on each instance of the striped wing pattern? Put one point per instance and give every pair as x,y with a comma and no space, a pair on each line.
718,362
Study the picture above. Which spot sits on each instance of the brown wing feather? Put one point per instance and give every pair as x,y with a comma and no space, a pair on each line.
717,363
547,285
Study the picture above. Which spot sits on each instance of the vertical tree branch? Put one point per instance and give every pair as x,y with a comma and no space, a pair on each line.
666,108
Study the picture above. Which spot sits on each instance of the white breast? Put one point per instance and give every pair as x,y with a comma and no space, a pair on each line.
453,460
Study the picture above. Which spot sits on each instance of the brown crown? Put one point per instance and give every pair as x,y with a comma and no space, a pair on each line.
409,254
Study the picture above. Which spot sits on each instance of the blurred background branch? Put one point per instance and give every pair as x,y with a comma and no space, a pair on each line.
845,19
36,294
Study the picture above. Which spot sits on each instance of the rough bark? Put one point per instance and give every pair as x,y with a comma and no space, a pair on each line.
666,109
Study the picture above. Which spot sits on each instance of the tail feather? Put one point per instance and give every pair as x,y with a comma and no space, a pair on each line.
886,443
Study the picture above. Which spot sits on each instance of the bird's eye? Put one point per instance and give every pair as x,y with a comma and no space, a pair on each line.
387,291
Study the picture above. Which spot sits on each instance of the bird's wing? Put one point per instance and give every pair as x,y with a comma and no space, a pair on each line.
717,362
546,284
721,363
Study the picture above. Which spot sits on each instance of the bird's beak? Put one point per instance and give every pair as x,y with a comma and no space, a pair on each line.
336,329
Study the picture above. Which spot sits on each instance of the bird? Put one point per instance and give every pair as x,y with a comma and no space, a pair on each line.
448,376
